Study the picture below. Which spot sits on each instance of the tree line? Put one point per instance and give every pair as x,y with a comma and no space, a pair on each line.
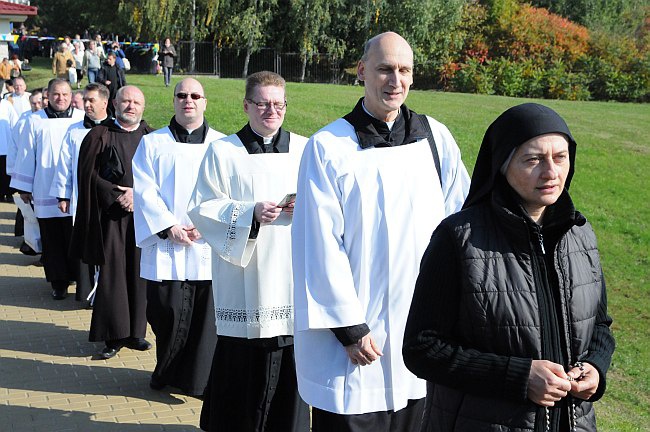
489,46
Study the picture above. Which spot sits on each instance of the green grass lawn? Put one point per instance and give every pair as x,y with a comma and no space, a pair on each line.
610,187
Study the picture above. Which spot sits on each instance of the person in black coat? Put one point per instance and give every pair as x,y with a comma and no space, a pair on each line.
111,76
509,321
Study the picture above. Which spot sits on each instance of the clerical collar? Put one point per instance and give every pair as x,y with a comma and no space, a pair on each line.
182,135
67,113
255,144
389,124
372,132
90,123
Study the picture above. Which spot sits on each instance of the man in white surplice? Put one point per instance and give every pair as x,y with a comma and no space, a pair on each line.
372,188
65,186
237,206
38,148
175,260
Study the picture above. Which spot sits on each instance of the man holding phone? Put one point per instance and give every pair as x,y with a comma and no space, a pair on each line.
238,207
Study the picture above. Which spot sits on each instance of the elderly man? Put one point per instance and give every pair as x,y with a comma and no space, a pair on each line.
65,185
239,209
38,146
20,98
372,188
103,233
175,259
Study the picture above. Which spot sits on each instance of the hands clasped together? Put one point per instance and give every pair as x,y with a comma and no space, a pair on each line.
549,383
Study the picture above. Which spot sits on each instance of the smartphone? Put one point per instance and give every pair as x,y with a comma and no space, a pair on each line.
288,199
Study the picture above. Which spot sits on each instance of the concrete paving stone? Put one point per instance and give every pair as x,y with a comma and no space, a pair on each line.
137,418
113,414
175,413
50,381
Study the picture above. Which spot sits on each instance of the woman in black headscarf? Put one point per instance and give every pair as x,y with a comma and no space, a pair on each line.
509,318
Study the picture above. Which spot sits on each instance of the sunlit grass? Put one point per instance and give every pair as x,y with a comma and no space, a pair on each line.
610,187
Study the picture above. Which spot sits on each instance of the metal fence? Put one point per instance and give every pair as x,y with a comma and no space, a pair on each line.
229,63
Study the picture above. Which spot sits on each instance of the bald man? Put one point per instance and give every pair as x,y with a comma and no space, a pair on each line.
176,261
104,233
372,188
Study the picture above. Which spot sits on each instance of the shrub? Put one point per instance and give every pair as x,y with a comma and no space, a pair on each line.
537,33
564,84
617,68
472,77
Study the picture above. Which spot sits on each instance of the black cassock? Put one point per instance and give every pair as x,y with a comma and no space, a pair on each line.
104,235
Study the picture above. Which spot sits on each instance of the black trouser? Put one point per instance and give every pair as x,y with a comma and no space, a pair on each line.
408,419
59,268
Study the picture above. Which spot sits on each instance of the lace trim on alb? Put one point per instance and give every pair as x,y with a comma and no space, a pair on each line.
255,316
231,232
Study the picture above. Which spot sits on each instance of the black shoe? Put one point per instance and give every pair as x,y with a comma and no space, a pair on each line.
139,344
109,352
156,385
27,250
59,294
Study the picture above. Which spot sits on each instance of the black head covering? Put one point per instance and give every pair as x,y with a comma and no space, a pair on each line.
511,129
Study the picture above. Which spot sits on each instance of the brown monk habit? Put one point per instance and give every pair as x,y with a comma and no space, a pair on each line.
104,235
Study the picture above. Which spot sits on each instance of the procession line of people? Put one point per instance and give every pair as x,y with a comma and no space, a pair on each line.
280,272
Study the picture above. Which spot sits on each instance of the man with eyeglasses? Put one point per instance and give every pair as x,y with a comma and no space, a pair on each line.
239,206
373,186
104,233
176,261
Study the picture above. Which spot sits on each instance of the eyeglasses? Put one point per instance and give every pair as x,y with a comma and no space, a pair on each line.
278,106
194,96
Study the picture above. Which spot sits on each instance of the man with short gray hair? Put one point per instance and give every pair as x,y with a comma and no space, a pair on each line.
104,232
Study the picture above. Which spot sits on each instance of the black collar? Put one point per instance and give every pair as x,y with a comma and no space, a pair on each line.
67,113
375,133
255,144
181,135
90,123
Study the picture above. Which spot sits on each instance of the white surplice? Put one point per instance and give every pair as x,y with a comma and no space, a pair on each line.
363,219
38,150
164,175
21,103
65,174
8,119
252,281
12,146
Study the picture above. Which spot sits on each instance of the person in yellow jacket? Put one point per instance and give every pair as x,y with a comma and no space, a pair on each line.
5,69
59,60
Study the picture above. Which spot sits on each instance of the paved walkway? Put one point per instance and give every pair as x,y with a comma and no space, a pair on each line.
49,379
